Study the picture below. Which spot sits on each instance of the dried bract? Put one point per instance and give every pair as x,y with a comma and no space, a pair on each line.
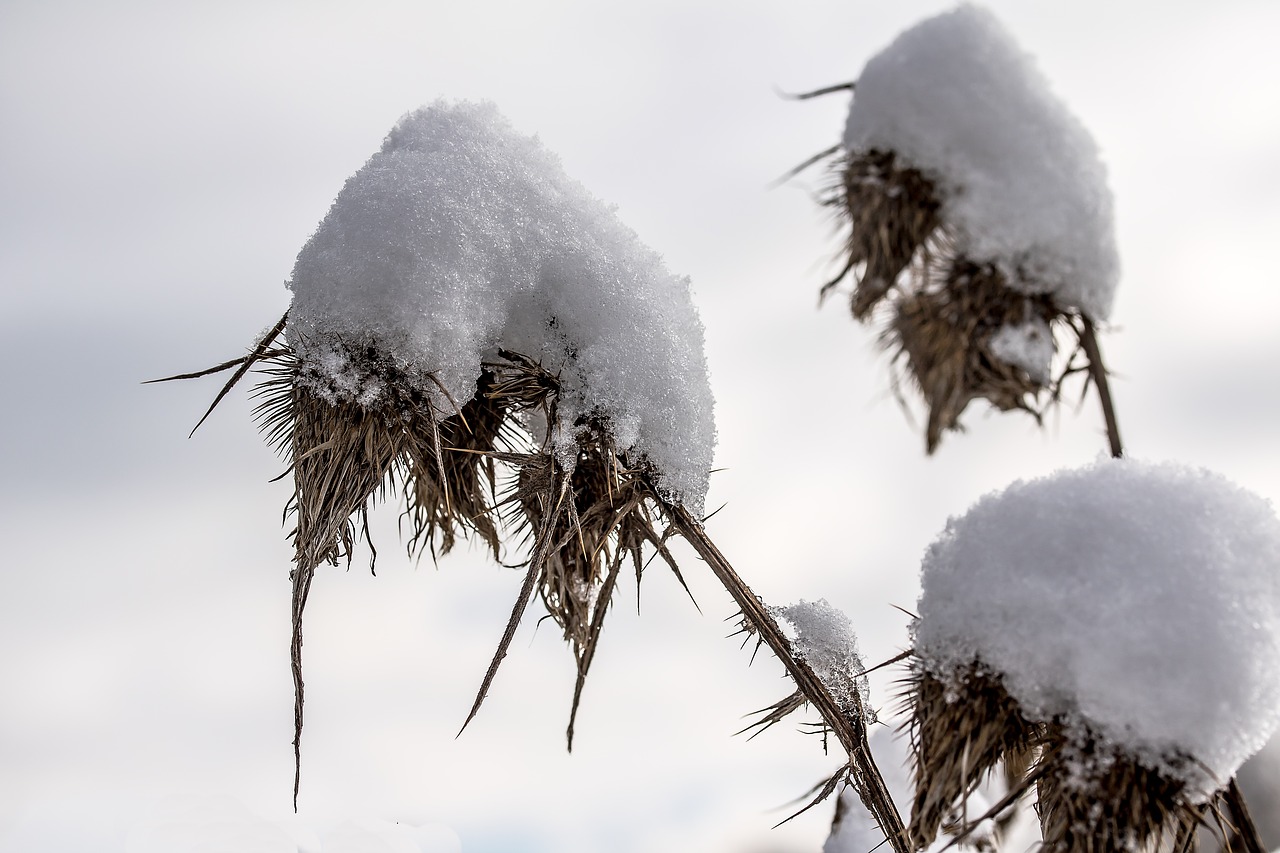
960,730
1092,798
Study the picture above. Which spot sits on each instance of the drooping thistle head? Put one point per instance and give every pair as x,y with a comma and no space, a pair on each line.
1112,634
473,332
976,214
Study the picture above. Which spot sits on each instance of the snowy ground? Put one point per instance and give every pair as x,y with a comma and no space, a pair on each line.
161,165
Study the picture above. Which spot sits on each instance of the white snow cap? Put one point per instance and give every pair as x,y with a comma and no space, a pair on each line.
1019,177
461,236
1141,600
822,636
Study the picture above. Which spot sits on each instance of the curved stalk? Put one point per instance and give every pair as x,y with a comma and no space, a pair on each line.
1098,373
849,727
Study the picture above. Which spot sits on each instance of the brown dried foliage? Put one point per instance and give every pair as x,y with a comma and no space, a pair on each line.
960,731
346,455
940,308
1090,796
941,338
891,212
582,523
1095,799
612,515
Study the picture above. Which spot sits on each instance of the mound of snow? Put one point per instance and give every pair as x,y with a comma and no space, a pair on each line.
459,237
822,636
1139,600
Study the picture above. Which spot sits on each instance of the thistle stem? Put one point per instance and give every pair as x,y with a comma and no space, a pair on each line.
1242,820
849,727
1098,373
302,576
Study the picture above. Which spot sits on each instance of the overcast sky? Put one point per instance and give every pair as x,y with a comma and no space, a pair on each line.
162,163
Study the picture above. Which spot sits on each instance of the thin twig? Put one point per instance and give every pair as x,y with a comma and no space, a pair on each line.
898,657
796,170
825,90
302,576
245,363
542,549
1185,840
589,648
849,725
1098,373
217,368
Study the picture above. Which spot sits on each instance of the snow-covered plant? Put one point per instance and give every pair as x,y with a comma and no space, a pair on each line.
465,303
822,636
1120,625
978,217
471,329
979,232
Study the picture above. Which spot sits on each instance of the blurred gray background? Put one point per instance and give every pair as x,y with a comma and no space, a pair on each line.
162,163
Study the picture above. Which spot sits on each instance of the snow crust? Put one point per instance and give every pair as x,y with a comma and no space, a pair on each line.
1020,177
461,236
822,636
1138,600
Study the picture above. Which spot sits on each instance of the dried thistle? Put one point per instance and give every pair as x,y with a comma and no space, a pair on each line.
610,512
960,730
945,339
891,212
1092,797
955,328
958,164
457,237
582,518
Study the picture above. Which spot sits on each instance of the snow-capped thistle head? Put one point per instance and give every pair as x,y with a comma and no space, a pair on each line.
461,237
473,329
978,214
1123,620
461,291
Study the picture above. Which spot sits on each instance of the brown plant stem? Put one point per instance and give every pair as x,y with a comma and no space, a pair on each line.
849,727
1242,821
302,576
1098,373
